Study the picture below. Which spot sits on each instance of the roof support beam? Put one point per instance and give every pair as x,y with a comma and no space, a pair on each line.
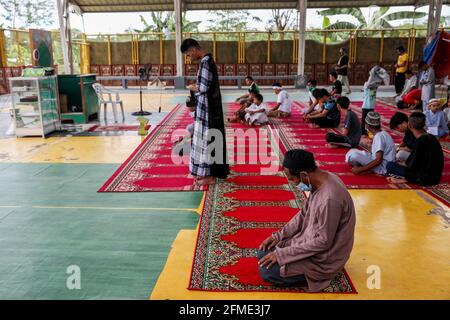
302,6
434,17
178,36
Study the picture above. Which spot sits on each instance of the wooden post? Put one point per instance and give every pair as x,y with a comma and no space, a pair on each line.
161,50
382,46
3,61
268,47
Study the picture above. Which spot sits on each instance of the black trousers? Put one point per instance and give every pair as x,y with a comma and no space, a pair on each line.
363,121
325,122
399,82
338,139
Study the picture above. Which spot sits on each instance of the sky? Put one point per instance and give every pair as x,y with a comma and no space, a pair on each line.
118,22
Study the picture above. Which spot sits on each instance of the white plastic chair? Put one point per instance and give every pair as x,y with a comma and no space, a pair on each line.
105,97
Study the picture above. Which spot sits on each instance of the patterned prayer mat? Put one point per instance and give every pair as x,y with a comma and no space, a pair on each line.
238,214
153,166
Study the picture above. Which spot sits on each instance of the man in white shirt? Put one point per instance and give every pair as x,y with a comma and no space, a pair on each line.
383,149
284,102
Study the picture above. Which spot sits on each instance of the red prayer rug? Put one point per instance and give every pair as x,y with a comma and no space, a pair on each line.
116,128
238,214
152,166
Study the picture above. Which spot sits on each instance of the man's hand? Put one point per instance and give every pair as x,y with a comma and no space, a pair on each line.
357,170
268,260
268,244
193,87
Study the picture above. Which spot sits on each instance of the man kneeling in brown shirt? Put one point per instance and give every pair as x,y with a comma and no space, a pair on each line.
313,247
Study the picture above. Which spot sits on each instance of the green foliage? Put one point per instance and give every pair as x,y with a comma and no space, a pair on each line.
160,20
27,13
377,20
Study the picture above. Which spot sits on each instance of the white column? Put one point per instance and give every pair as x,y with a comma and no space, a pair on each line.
178,36
64,29
302,5
434,17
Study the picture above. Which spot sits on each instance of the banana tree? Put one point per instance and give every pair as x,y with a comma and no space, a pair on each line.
379,19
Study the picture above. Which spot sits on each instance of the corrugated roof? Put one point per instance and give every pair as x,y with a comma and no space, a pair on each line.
167,5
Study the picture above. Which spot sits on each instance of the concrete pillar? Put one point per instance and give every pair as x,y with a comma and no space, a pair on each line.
434,17
178,36
302,6
64,29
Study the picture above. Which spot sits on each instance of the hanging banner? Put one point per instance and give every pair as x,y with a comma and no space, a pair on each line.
41,48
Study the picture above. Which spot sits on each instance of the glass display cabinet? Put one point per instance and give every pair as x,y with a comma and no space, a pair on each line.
35,105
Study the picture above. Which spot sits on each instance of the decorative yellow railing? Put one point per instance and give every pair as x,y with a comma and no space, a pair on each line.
14,43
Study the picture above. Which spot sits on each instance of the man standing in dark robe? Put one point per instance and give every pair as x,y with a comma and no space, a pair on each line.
208,159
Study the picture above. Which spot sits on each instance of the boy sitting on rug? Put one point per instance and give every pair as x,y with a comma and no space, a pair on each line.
426,162
284,102
399,122
239,116
313,104
313,247
351,134
256,114
383,149
328,116
336,89
436,120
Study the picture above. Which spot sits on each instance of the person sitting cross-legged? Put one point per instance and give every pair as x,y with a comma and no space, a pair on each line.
256,114
284,102
328,116
352,131
313,247
436,120
313,104
383,149
399,122
426,163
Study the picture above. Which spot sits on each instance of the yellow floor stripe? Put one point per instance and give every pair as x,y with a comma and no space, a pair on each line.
199,210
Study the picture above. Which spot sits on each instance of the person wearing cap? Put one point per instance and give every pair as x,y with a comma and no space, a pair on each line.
383,149
252,89
426,163
209,127
436,120
284,102
329,115
400,69
313,247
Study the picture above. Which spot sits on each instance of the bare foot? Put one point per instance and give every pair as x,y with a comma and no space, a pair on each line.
396,180
314,126
205,181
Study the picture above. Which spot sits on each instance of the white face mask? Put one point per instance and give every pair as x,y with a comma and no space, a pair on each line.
304,187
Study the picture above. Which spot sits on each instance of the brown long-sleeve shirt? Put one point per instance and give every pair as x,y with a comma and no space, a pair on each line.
317,242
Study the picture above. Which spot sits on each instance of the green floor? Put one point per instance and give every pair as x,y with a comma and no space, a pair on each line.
51,217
